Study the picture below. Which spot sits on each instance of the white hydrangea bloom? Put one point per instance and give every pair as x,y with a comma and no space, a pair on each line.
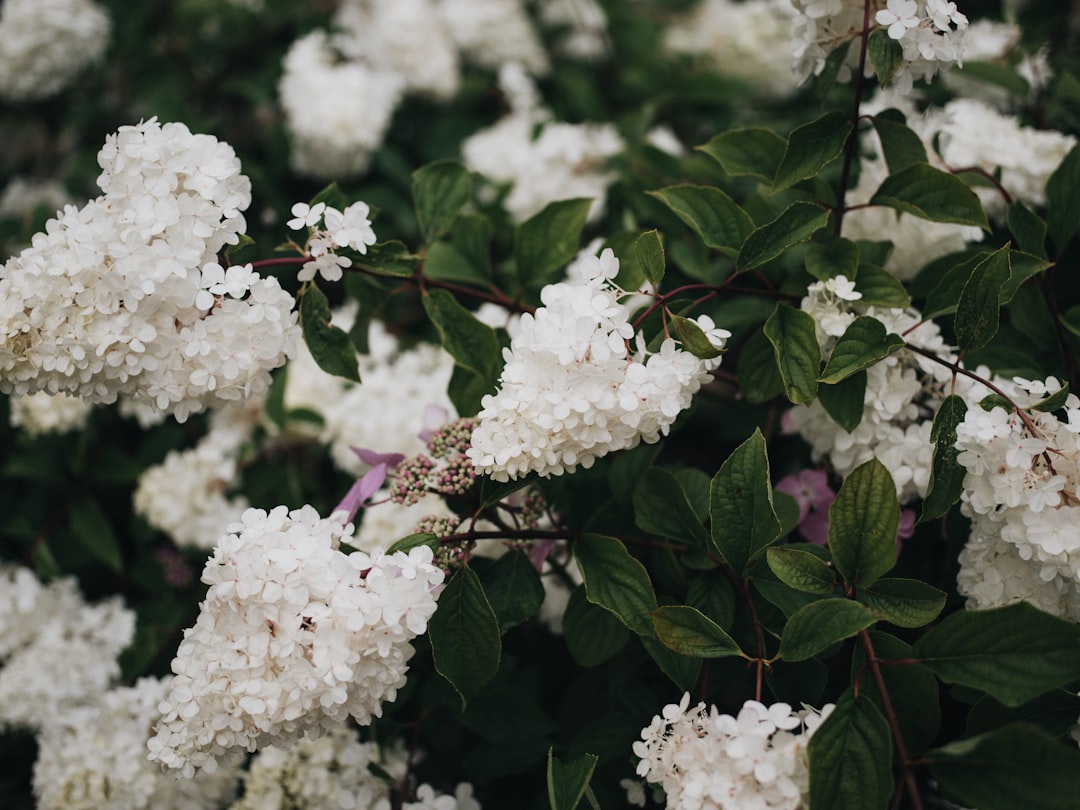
43,628
428,799
23,196
583,25
44,44
122,296
740,40
336,110
1022,491
571,391
491,33
94,757
294,637
704,760
48,413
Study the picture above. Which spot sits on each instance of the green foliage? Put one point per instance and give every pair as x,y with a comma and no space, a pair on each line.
862,525
850,756
794,340
795,224
464,634
711,213
929,193
744,522
616,581
864,343
546,241
329,345
439,191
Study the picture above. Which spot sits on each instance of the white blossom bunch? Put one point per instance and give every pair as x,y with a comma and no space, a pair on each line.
294,637
582,25
44,413
491,33
994,41
903,392
329,229
571,391
45,44
43,629
1022,492
740,39
337,110
125,297
930,32
94,756
22,197
704,760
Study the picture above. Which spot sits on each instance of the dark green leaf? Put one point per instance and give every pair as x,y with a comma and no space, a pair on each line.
845,401
834,63
851,758
802,570
1023,266
627,469
439,191
946,474
977,310
740,505
712,594
1054,712
1063,200
862,524
683,670
616,581
592,634
467,389
329,346
880,288
811,147
688,631
817,626
471,236
865,342
693,339
796,223
886,55
662,508
759,375
649,250
567,782
711,213
1028,229
793,336
946,293
900,145
787,510
754,152
389,259
547,241
932,194
1016,767
1013,653
90,525
1053,402
472,344
903,602
837,257
413,540
464,633
513,588
444,262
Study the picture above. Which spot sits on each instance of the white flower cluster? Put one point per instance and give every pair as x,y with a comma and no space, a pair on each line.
94,756
491,33
43,629
44,413
22,197
294,636
350,228
124,296
739,40
1022,493
571,391
704,760
903,393
583,25
44,44
542,160
989,40
930,32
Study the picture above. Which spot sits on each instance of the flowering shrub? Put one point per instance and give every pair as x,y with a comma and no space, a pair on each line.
666,403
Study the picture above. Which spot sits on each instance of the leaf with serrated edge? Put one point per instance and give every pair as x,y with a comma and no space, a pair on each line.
711,213
802,570
862,524
931,194
864,343
465,640
817,626
688,631
793,336
795,224
851,758
811,147
903,602
755,152
614,580
740,505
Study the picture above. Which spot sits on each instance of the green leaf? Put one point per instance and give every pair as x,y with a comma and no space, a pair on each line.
683,670
232,251
513,588
688,631
712,594
886,55
834,63
568,781
693,339
759,375
932,194
1015,767
331,347
740,505
1063,201
880,288
946,473
616,581
472,344
978,308
662,508
753,152
851,758
1054,712
464,633
471,237
1024,266
411,541
837,257
1053,402
467,389
711,213
865,342
1028,229
627,468
862,524
547,241
998,73
811,147
817,626
91,527
903,602
592,634
1013,653
388,259
439,191
900,145
845,401
946,293
795,224
802,570
794,340
444,262
649,249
